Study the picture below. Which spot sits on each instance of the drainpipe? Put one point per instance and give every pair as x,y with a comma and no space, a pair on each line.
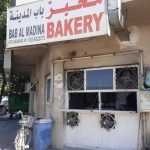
117,14
143,114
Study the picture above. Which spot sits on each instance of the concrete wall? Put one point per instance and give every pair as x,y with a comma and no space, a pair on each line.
89,133
95,46
39,73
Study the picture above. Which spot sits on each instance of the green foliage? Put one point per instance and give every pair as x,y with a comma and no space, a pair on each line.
3,5
17,83
3,8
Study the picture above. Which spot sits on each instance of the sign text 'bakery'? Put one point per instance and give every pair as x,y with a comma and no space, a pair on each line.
50,21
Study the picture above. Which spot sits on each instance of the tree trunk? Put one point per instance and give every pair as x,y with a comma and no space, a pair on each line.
2,88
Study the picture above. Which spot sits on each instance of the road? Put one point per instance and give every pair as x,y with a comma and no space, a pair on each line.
8,130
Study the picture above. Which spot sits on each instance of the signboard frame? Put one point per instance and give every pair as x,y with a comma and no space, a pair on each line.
34,23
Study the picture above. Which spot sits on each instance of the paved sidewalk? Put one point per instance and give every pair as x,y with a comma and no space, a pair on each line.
8,130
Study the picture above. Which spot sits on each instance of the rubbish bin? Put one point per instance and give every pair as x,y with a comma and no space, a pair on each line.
42,130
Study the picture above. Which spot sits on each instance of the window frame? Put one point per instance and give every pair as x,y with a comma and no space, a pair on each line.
99,91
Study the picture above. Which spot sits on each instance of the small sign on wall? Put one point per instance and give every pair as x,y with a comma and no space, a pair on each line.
145,101
58,80
147,79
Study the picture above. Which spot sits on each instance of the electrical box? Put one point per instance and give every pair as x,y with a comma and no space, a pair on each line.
145,101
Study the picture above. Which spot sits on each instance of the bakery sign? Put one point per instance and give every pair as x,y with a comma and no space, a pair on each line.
47,21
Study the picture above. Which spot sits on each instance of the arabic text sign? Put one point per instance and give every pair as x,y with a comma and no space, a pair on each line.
26,24
49,21
76,19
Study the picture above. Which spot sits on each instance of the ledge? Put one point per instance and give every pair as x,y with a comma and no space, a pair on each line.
126,1
95,111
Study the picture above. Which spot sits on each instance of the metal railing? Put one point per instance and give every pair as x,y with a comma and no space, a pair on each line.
23,140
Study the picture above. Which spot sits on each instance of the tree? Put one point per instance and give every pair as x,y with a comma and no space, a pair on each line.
3,8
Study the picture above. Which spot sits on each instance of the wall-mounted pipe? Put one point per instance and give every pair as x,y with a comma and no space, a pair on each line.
117,14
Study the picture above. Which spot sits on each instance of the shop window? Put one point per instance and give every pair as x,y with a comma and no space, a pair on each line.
114,88
99,79
127,78
83,101
122,101
75,80
48,88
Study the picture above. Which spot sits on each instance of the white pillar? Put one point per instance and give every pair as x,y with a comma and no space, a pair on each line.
58,102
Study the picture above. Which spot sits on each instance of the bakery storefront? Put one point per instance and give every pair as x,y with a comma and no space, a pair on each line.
102,103
84,76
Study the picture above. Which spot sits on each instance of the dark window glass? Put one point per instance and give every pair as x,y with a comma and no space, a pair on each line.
75,80
99,79
83,101
122,101
127,78
48,88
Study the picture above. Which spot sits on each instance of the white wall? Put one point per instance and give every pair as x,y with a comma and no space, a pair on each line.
89,133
